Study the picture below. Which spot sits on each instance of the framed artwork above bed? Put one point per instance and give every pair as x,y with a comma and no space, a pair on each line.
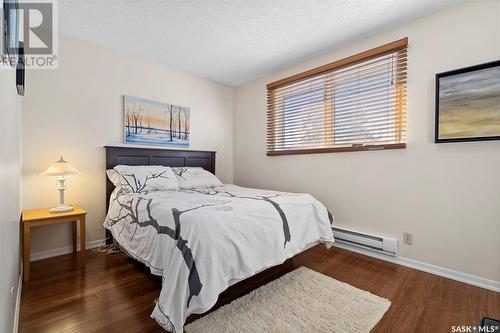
468,104
150,122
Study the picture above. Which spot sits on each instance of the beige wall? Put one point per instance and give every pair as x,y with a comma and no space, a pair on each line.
448,195
76,110
10,186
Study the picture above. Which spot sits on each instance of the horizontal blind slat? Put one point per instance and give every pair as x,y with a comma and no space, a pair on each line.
398,63
338,94
318,84
357,132
379,103
336,123
357,103
337,65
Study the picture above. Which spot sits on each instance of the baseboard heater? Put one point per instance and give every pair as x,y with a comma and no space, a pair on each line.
369,242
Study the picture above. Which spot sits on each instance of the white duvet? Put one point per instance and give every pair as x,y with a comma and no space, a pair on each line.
202,241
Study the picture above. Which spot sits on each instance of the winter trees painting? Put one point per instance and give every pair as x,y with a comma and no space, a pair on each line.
150,122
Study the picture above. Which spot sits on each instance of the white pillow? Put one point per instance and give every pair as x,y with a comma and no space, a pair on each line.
144,178
193,177
113,176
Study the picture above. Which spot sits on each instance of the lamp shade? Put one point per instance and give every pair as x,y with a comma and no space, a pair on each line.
60,168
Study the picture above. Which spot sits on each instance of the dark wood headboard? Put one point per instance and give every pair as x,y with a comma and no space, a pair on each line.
154,156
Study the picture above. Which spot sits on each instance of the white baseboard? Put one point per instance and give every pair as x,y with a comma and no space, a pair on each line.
422,266
15,327
64,250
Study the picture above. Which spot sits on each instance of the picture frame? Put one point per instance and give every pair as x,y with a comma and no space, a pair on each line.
20,71
149,122
10,30
467,104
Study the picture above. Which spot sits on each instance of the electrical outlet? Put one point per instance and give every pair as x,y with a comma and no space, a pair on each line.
408,238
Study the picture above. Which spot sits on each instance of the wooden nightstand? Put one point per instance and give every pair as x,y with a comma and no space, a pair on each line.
40,217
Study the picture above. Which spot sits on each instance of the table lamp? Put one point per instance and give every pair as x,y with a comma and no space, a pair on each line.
61,168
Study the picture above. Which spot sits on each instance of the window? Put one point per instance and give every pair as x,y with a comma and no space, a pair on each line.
357,103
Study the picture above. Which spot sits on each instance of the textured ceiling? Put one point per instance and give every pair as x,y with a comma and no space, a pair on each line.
232,41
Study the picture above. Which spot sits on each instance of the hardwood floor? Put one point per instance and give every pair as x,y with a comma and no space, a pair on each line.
116,294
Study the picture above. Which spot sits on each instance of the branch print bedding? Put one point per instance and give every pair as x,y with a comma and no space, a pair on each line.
201,241
140,179
195,177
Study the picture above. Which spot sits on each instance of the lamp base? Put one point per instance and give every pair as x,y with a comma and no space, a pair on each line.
61,209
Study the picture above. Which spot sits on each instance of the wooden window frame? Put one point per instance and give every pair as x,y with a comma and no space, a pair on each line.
329,129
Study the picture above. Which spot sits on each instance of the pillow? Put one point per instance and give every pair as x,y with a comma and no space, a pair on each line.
192,177
144,178
113,176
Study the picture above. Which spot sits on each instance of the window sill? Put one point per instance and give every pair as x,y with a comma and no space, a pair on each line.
337,149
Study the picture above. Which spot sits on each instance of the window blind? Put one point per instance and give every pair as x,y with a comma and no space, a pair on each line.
357,103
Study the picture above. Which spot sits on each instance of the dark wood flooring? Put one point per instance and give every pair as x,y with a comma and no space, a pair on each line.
116,294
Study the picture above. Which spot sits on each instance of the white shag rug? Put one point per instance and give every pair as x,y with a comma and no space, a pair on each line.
302,301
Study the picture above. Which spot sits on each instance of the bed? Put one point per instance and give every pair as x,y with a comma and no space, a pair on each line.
203,240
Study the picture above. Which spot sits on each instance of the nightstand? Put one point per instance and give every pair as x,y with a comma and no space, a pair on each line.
41,217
